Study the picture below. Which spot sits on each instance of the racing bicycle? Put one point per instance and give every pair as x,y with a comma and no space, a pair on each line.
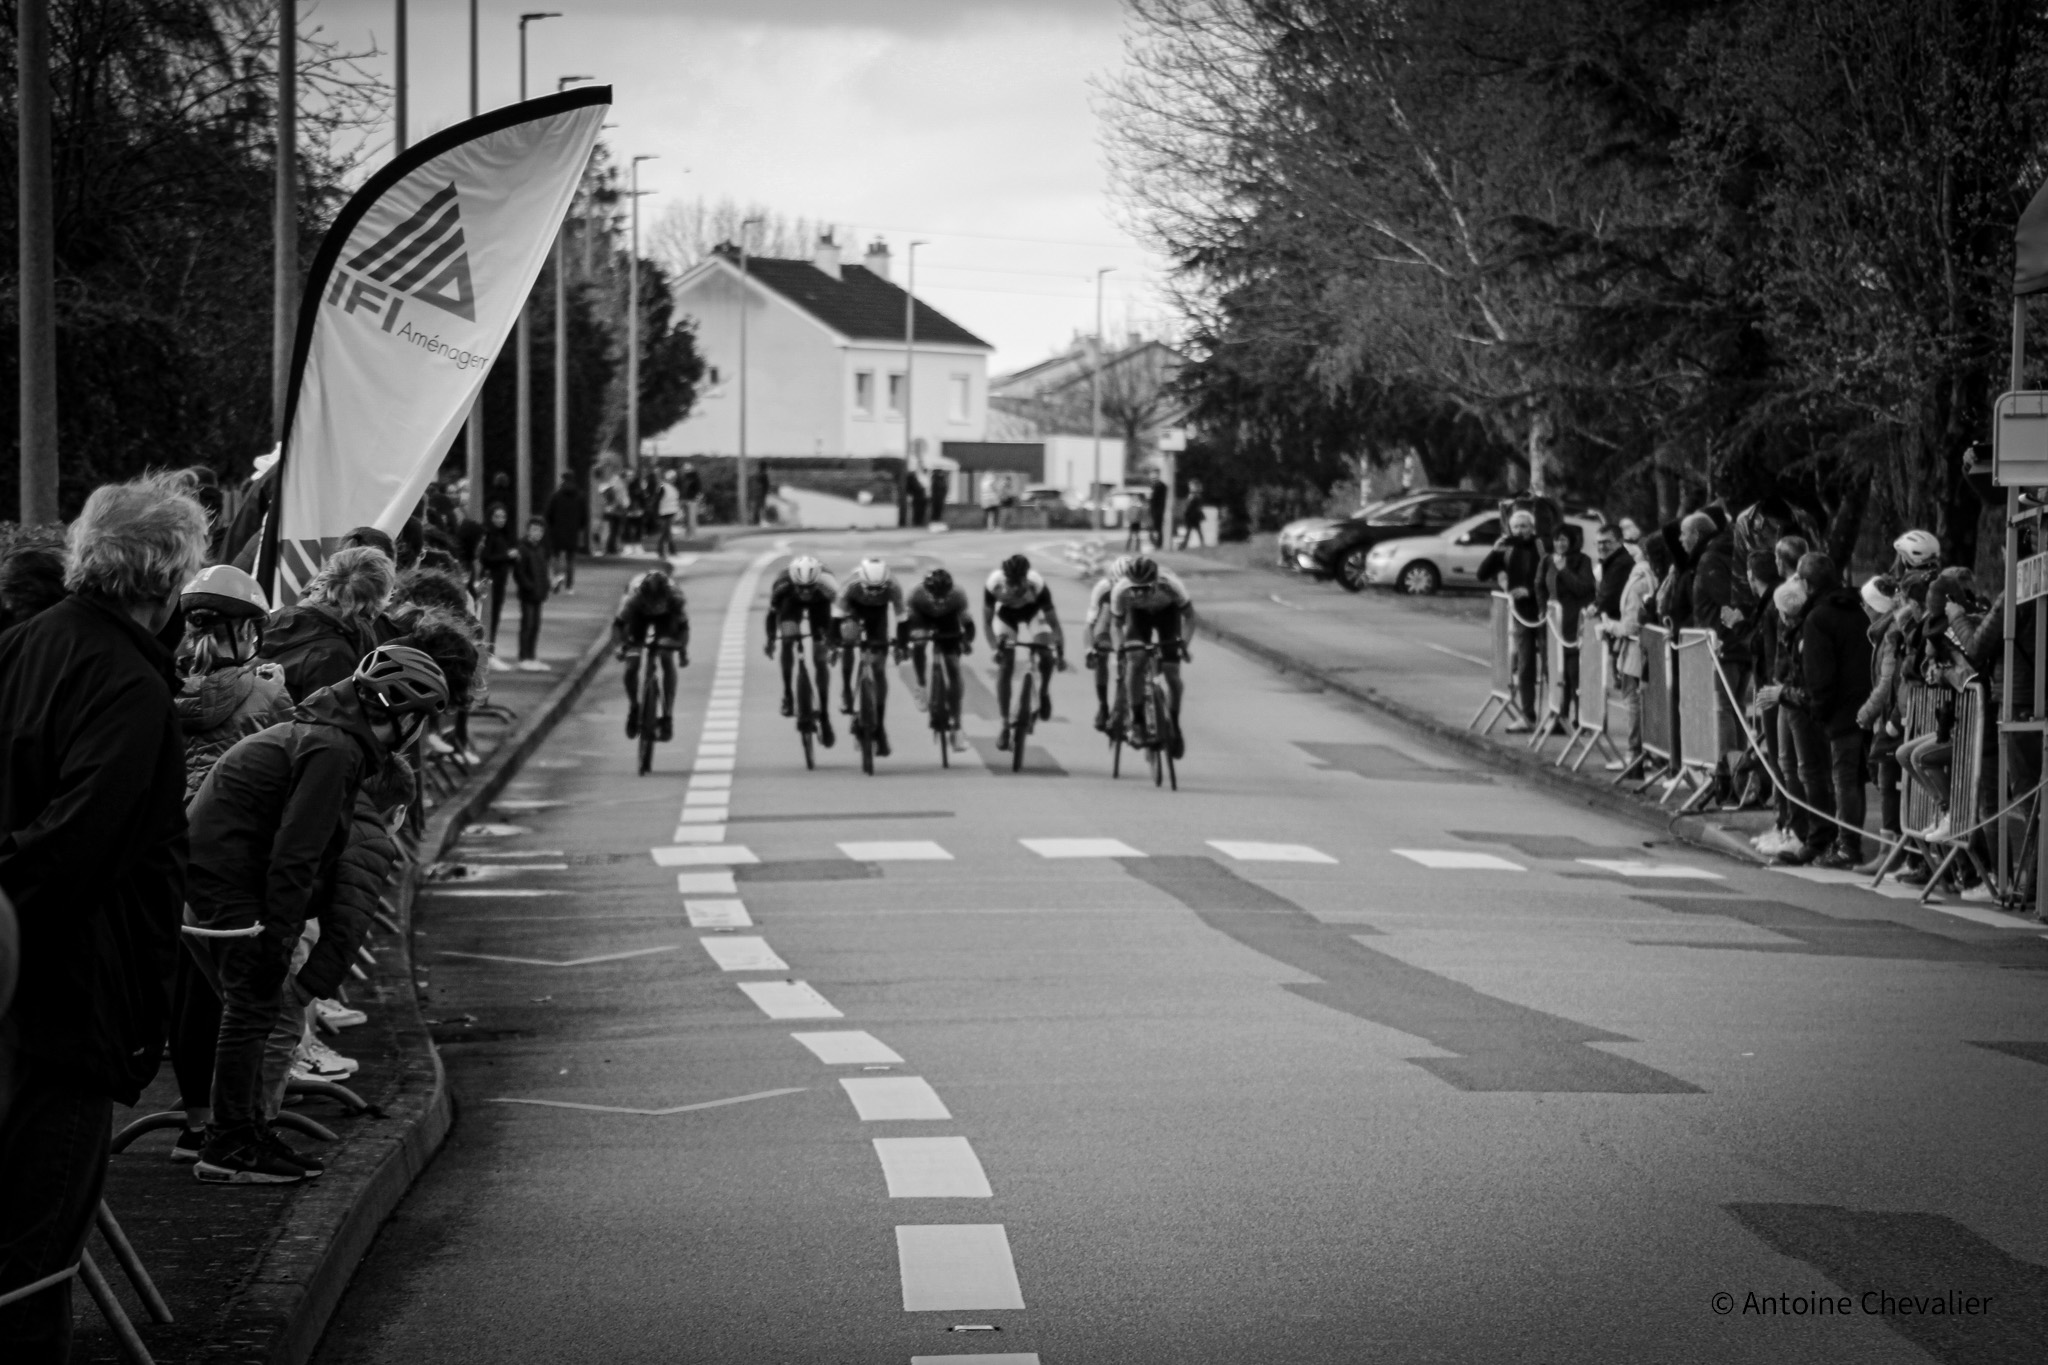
806,699
867,699
650,699
944,666
1147,722
1025,708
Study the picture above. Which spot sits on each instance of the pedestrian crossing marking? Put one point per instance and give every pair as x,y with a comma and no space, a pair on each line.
932,1168
852,1047
1081,848
997,1358
957,1266
1636,867
718,782
743,954
713,749
704,798
896,851
698,834
717,855
713,765
789,1000
1246,852
706,884
887,1098
1458,860
717,914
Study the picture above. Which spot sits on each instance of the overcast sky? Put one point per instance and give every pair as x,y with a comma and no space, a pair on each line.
965,122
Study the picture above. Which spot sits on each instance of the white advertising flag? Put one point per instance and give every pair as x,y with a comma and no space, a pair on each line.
413,292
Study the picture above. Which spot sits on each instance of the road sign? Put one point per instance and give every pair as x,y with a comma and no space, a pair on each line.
1173,438
2033,577
2019,440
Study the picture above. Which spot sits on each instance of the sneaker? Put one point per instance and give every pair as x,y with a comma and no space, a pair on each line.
882,741
1518,727
311,1165
1045,705
1177,746
337,1015
317,1061
667,730
825,735
1938,830
788,704
498,665
241,1158
1102,719
1003,740
434,744
632,722
921,697
186,1148
1840,859
538,666
1798,856
959,744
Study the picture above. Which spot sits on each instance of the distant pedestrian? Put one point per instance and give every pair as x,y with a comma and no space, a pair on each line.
692,486
1835,677
1155,501
757,504
991,503
92,856
1568,581
668,505
530,579
1193,511
913,488
618,505
495,555
942,482
568,522
1516,562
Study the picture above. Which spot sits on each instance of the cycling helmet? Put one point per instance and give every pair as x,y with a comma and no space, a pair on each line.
403,681
1120,568
872,572
652,584
805,570
224,590
1015,567
938,582
1143,569
1918,549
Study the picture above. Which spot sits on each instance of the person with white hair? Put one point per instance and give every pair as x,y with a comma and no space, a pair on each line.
320,639
1516,561
92,854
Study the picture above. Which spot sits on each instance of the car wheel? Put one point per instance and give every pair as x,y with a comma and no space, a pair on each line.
1420,579
1351,570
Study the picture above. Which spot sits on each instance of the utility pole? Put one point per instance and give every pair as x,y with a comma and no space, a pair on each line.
398,55
746,294
633,324
38,268
522,425
1095,402
562,333
284,293
909,357
473,429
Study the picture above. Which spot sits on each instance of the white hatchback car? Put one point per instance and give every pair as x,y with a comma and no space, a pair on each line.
1422,565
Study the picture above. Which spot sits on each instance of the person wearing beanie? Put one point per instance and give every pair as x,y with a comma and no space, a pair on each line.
1835,674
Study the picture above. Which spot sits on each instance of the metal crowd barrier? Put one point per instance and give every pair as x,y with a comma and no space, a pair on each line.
1660,697
1500,701
95,1280
1596,684
1966,760
1919,713
1702,711
1552,677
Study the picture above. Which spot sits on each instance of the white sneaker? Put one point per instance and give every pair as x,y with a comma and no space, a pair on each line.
337,1015
1938,830
434,744
529,665
538,666
317,1061
498,665
1770,843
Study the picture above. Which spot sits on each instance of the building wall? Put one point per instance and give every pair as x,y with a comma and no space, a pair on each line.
1070,464
934,397
794,368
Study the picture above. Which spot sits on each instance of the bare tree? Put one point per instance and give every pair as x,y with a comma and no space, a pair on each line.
687,231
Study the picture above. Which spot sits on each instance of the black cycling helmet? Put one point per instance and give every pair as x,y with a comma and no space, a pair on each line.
654,583
402,680
1144,569
1015,567
938,582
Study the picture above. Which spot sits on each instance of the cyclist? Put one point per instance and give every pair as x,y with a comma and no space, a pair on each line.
652,599
1152,603
938,608
863,609
1015,601
1099,651
804,592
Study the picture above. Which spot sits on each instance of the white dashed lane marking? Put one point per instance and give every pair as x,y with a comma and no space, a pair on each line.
789,1000
957,1266
717,915
715,855
747,954
998,1358
850,1047
713,765
879,1098
705,798
699,834
1457,860
1634,867
706,884
710,782
1269,853
932,1168
896,851
1081,848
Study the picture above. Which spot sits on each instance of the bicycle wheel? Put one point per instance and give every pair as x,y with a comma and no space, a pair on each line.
806,715
864,716
1162,706
1020,728
650,688
1116,757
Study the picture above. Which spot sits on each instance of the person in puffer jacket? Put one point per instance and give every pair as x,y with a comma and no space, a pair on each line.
320,639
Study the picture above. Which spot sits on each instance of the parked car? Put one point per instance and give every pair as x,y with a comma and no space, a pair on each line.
1044,495
1422,565
1339,550
1295,532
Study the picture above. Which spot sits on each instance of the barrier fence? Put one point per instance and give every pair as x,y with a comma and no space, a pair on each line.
1703,716
1660,697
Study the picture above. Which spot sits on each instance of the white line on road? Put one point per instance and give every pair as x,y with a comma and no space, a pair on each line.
699,834
789,1000
706,884
717,915
487,891
653,1113
1080,848
878,1098
996,1358
688,855
850,1047
712,749
704,782
713,765
896,851
706,798
1460,654
1269,853
1458,860
572,962
1636,867
749,954
932,1168
957,1265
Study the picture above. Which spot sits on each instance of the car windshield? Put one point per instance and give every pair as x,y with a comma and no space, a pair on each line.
1399,512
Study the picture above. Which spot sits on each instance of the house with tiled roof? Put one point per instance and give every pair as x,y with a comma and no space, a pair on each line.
825,361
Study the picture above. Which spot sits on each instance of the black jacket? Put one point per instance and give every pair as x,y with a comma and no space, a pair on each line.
1717,582
530,572
1614,572
92,839
315,647
1518,562
1570,587
568,518
346,903
1834,648
274,814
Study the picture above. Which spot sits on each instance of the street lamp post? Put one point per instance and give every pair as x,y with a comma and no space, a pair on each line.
284,290
1095,402
473,429
562,332
522,425
739,468
400,104
909,356
37,265
633,324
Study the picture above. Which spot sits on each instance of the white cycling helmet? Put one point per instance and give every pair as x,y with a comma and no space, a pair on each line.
804,570
1119,568
872,572
1918,549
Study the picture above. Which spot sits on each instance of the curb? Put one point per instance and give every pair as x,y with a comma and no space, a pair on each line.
302,1274
1611,800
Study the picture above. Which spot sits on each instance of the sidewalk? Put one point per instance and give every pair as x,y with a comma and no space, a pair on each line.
251,1273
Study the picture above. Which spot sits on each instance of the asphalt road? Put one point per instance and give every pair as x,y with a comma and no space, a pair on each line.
1343,1052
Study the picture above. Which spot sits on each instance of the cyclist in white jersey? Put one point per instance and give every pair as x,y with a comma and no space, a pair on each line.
1016,605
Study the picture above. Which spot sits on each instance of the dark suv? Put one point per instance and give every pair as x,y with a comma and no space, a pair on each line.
1339,551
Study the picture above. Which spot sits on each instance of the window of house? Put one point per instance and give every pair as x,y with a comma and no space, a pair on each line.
864,393
711,375
956,399
895,395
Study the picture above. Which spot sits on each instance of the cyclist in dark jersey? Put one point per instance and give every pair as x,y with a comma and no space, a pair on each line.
805,592
1152,604
1016,604
939,608
652,600
863,609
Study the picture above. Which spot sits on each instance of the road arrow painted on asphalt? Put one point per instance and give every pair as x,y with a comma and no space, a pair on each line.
572,962
653,1113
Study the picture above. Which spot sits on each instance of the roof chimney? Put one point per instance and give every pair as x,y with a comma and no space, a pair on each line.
877,259
826,257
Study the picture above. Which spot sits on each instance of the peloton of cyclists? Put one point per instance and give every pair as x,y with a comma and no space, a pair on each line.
939,609
805,592
864,607
652,599
1016,605
1150,604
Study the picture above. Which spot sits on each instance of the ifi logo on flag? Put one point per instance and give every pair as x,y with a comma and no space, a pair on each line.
422,258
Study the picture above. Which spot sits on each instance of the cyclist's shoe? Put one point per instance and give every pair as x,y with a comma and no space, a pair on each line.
1177,746
846,705
825,735
240,1157
1003,740
788,704
881,741
959,744
1045,704
632,721
667,731
682,658
1102,719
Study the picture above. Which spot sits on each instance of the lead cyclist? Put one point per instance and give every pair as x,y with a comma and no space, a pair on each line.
1016,606
1151,604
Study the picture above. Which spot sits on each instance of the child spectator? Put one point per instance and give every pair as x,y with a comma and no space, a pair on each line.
530,577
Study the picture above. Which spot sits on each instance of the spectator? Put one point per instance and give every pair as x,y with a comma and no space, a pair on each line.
495,555
568,522
426,591
320,640
692,486
914,494
942,481
1883,715
992,504
1515,566
1155,501
1765,629
1638,596
1834,647
31,572
92,855
1616,564
268,826
668,505
1567,580
757,503
1721,600
618,505
530,579
1631,531
1193,510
